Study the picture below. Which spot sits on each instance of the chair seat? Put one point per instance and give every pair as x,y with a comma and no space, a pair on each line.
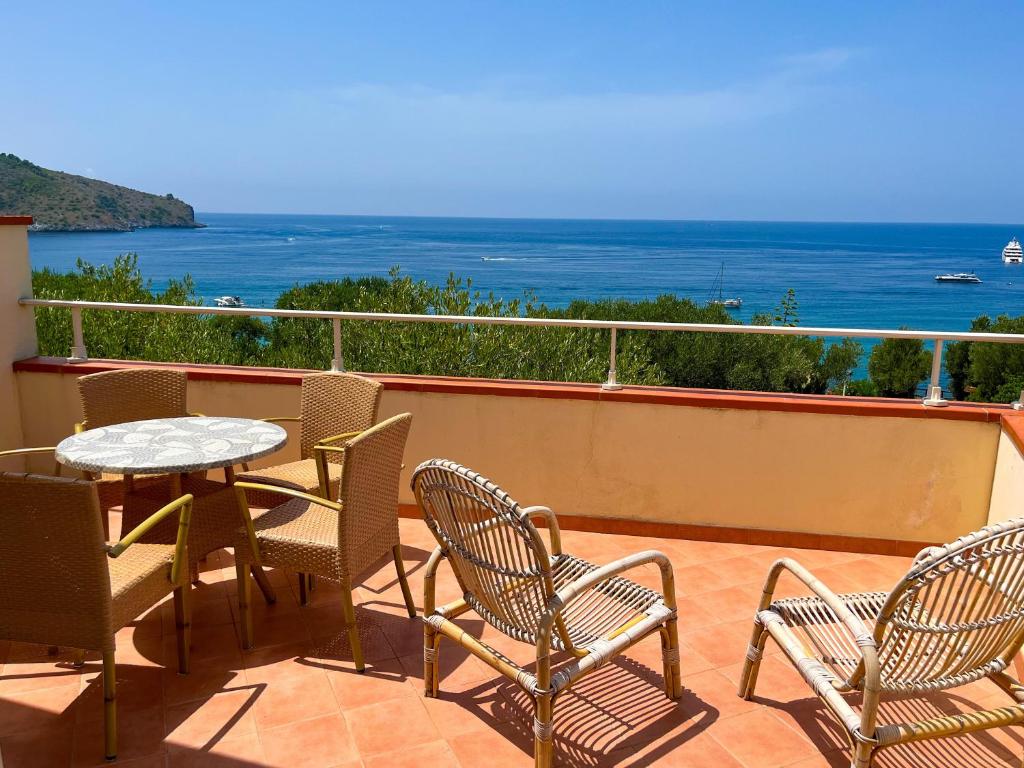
300,536
820,626
139,578
297,475
607,610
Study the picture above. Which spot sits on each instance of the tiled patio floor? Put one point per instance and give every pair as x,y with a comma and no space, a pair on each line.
295,700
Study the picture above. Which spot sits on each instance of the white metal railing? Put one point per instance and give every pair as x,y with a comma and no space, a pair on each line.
934,398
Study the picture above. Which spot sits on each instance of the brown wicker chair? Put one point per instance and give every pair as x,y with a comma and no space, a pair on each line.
334,408
956,617
131,394
552,601
334,540
62,584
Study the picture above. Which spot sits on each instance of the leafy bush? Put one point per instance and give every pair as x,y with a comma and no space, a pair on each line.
722,361
898,366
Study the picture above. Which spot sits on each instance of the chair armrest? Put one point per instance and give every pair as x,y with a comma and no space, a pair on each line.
554,532
336,506
196,413
809,580
182,504
79,427
28,451
589,581
343,437
276,419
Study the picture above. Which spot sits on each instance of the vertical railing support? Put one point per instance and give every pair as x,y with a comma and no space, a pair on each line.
612,382
78,353
934,387
337,364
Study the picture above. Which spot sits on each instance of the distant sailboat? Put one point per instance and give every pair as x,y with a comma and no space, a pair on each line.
716,296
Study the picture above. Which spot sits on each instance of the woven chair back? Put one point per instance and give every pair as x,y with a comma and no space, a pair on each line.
132,394
335,403
497,555
958,615
369,492
54,578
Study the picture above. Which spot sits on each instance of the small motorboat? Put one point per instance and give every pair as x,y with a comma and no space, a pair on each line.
1012,253
229,301
958,277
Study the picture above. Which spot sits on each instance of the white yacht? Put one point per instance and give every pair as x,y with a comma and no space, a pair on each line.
716,296
958,277
1012,253
229,301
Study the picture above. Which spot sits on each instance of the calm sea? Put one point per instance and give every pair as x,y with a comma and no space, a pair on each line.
852,275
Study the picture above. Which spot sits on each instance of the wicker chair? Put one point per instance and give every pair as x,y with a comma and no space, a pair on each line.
334,407
956,617
131,394
554,601
62,584
334,540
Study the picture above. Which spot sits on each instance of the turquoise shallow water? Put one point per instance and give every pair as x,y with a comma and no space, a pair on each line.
845,275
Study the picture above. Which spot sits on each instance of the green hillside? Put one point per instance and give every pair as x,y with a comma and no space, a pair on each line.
60,201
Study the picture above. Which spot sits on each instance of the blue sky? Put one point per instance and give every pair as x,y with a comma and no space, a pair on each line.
864,111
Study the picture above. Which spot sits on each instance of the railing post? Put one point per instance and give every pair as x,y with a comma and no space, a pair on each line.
612,382
337,364
934,387
78,353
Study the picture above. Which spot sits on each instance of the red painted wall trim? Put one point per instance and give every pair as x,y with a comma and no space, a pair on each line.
694,398
15,220
725,535
1013,426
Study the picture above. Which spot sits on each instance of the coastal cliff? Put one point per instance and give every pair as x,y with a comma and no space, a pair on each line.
63,202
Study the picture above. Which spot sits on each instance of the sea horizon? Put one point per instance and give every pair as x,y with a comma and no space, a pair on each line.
844,274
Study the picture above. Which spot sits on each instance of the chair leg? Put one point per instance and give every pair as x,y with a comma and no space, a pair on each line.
431,641
543,727
670,659
396,553
752,665
109,706
244,603
311,581
78,659
303,593
193,572
862,755
183,625
350,625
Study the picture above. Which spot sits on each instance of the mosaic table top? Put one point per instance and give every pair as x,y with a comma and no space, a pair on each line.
183,444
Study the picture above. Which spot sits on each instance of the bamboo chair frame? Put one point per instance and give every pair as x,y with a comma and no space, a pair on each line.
98,614
553,601
361,527
955,618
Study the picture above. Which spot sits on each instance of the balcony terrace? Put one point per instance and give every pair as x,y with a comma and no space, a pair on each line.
724,483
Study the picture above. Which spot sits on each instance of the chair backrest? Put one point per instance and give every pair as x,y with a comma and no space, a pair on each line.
132,394
958,614
54,577
494,549
336,403
369,492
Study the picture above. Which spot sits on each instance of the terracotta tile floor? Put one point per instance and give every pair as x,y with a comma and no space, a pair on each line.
295,699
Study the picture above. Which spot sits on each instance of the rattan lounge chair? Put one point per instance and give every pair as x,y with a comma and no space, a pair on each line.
334,407
131,394
62,584
955,618
335,540
554,601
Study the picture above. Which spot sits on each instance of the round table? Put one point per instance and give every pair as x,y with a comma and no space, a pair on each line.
177,446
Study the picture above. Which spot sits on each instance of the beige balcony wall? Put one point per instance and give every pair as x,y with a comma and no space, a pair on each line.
912,479
1008,483
17,323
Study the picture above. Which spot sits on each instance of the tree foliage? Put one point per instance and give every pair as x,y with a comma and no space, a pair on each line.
898,366
723,361
986,372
